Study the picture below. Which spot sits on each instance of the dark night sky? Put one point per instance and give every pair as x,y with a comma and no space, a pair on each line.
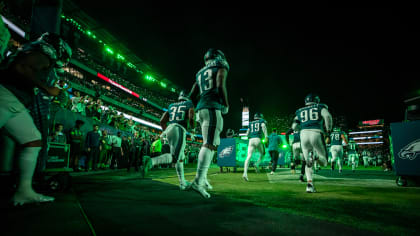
358,60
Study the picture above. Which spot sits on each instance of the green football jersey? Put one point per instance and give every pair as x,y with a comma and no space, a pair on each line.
206,82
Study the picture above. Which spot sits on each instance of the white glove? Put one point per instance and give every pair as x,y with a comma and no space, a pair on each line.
225,110
192,137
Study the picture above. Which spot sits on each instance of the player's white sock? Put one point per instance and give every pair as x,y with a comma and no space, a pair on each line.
246,165
339,164
26,164
162,159
27,160
204,159
179,167
309,171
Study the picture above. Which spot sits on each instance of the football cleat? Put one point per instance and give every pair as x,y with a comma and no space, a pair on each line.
208,185
245,178
19,200
201,190
310,188
185,186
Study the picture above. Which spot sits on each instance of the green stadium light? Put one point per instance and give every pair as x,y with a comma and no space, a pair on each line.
120,57
109,50
149,77
131,65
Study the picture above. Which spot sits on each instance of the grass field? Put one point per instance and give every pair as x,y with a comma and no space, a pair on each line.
368,199
114,202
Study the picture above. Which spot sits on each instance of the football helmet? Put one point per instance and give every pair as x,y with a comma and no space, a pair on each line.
258,115
183,96
62,49
213,54
312,99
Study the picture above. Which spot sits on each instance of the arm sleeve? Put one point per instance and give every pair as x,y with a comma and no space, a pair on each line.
264,128
327,118
295,123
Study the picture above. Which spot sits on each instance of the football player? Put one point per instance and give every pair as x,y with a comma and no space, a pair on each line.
180,117
365,155
310,119
210,89
337,138
24,72
353,155
256,131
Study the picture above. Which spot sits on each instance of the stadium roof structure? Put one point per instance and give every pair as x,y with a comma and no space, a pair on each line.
71,10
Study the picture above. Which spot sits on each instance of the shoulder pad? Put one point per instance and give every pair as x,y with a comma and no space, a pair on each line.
189,104
322,105
222,64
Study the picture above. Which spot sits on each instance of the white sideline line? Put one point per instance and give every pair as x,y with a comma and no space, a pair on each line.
287,178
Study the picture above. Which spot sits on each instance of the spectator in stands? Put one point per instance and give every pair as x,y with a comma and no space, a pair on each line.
106,152
61,100
93,146
126,145
273,148
89,106
388,163
135,153
156,148
117,151
131,126
76,102
76,141
97,110
58,136
145,147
